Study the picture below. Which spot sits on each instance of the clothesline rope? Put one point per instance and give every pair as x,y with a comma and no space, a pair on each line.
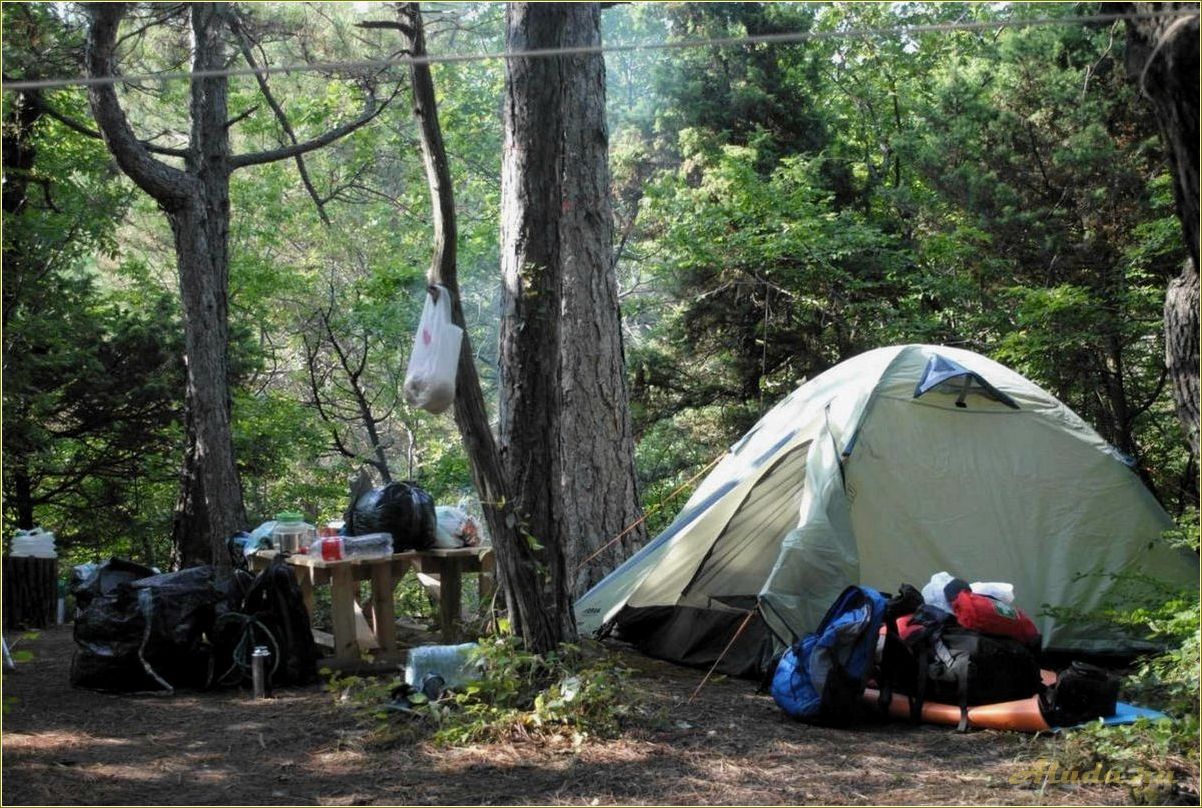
757,39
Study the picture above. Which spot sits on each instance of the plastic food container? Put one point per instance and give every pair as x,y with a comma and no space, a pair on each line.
292,534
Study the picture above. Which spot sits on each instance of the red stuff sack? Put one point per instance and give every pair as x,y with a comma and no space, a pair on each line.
991,616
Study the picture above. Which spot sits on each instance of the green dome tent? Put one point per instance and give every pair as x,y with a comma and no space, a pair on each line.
889,467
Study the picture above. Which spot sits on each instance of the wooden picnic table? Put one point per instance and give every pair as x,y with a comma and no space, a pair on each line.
384,573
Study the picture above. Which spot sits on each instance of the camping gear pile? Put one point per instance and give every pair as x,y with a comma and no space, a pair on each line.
895,463
138,630
952,647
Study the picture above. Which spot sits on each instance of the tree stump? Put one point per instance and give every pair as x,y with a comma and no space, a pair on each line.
30,592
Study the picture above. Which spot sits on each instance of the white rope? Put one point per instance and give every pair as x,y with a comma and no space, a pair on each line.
722,42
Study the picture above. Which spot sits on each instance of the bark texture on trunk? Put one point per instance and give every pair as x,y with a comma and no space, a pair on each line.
530,300
1181,327
516,563
196,201
596,437
1162,58
566,439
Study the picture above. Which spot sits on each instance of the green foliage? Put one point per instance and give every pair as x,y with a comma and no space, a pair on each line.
576,693
1168,681
19,657
1002,190
570,693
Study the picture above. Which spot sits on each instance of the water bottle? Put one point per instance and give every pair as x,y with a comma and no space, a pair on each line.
440,666
291,532
258,670
341,548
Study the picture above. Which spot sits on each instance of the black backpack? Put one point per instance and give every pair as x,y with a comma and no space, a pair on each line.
1082,693
271,614
953,665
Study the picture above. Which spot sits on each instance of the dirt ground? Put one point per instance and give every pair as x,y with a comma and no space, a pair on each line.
67,746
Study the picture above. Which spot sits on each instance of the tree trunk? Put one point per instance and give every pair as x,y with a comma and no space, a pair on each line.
516,563
196,201
201,231
597,493
19,156
23,494
565,428
1162,58
1181,348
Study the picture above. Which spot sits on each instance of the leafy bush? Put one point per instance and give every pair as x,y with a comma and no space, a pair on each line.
1168,681
575,693
570,693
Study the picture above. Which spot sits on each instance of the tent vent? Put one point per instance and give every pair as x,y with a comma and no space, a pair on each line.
945,376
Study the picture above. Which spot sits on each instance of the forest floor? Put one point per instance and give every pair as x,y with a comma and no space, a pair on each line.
67,746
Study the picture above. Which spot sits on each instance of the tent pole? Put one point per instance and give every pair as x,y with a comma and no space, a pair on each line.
750,614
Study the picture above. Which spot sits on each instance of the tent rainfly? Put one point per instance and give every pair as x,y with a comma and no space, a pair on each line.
889,467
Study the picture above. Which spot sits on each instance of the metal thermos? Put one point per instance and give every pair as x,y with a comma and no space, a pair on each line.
258,670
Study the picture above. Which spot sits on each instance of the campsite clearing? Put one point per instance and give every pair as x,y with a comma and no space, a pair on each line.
64,745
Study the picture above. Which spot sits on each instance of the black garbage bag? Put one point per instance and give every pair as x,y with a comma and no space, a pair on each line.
402,509
90,580
150,633
109,633
272,614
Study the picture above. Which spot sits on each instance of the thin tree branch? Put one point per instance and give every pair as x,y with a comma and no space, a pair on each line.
237,119
371,109
83,129
165,183
244,42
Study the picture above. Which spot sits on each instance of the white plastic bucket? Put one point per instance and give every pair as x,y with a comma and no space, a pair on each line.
37,543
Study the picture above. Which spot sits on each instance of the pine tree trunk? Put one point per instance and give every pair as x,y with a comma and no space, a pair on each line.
201,231
596,437
516,564
529,337
1162,58
196,200
1181,328
566,439
19,156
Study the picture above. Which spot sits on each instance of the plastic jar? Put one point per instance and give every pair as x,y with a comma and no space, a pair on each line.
292,534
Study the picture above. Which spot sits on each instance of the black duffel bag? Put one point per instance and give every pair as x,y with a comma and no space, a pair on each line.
1083,692
402,509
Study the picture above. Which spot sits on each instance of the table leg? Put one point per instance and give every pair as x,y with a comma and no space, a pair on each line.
304,578
383,614
449,601
342,612
488,579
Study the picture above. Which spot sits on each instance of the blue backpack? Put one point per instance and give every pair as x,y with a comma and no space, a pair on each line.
820,678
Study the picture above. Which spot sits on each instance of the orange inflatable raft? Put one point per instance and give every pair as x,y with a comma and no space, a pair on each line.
1022,715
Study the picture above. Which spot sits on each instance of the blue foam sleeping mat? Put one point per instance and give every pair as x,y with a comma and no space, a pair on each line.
1124,713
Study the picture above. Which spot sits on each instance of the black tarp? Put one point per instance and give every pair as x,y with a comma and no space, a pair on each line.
159,632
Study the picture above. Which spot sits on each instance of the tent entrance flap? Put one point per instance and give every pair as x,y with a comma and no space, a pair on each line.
945,376
698,637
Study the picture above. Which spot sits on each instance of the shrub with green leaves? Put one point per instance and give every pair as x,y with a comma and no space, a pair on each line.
574,692
1168,681
577,692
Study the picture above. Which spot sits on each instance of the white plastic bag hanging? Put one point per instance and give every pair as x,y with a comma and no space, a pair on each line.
430,378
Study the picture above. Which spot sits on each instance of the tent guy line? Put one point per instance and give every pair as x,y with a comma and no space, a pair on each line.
758,39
